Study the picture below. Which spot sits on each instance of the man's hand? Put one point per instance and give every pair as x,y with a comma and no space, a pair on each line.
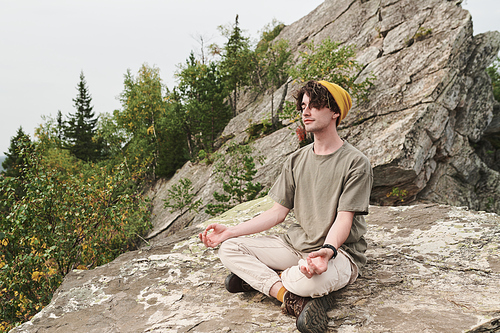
317,263
218,235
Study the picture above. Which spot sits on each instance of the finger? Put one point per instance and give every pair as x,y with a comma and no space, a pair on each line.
303,270
313,268
205,240
210,227
313,254
310,262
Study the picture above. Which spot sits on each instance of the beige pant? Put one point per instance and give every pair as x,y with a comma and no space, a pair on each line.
256,261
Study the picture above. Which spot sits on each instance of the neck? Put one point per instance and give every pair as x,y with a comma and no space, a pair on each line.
327,143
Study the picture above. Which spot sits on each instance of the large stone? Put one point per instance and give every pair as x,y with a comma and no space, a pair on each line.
431,268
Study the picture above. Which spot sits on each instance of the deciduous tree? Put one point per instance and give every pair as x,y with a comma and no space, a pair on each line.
64,221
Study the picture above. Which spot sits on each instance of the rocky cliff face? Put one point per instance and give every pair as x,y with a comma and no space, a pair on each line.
425,124
432,102
431,268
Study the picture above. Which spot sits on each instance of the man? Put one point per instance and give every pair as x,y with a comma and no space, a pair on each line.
328,185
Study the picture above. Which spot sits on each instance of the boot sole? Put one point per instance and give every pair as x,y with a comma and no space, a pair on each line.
313,318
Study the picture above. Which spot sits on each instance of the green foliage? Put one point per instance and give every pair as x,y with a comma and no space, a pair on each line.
180,197
268,34
151,124
235,170
331,62
172,138
14,161
64,221
260,129
272,71
494,73
290,112
202,91
272,62
236,63
142,102
206,158
80,129
422,33
398,193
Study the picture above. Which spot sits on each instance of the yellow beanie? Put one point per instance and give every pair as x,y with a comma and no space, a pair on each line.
341,97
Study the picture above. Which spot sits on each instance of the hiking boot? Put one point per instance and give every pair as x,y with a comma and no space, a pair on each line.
310,312
234,284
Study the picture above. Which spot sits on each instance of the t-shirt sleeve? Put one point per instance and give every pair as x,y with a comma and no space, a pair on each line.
283,190
355,196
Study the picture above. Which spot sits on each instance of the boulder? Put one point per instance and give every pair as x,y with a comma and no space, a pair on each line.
431,268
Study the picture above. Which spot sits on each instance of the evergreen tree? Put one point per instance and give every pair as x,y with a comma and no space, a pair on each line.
60,126
80,129
235,170
172,138
236,64
274,63
16,165
14,162
203,92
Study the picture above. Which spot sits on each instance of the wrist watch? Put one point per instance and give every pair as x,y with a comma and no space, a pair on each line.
328,246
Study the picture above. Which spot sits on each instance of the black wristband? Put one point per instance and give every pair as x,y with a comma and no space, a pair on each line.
328,246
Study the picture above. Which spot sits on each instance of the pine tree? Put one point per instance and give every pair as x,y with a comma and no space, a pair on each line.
236,64
203,94
15,167
80,129
14,162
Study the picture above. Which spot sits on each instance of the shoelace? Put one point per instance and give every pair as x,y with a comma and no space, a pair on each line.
294,304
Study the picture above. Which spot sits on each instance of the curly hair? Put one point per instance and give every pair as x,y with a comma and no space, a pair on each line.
319,97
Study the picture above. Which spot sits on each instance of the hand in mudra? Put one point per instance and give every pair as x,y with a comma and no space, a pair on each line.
317,263
217,235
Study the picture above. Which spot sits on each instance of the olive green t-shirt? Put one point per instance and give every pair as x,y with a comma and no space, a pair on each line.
319,186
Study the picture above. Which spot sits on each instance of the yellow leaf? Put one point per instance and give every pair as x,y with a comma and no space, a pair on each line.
36,275
151,129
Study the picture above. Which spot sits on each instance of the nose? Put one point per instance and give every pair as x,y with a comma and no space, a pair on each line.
306,110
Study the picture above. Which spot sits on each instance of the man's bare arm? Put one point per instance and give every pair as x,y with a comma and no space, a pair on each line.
262,222
317,261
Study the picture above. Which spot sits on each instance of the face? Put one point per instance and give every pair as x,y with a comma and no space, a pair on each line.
316,120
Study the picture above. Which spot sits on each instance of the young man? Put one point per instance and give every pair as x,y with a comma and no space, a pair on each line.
328,185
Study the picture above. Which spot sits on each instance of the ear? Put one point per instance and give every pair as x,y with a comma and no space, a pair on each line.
335,115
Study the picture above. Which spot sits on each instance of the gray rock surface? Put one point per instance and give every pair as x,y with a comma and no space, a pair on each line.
431,268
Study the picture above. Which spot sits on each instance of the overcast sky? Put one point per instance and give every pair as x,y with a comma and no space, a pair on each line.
44,45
